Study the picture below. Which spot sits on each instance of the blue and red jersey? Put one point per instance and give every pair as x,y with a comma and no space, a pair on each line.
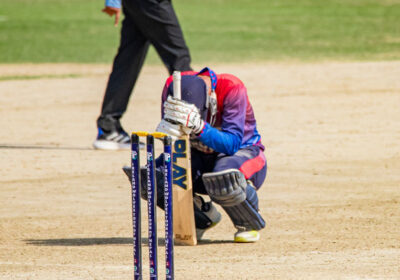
235,126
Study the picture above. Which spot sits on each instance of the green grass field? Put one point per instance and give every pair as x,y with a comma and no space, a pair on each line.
216,31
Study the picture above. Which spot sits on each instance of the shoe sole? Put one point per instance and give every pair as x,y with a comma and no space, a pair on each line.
245,240
249,239
110,145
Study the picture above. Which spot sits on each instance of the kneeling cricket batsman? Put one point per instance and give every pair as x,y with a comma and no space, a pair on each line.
228,162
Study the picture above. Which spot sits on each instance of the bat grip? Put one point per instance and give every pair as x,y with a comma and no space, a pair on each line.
177,84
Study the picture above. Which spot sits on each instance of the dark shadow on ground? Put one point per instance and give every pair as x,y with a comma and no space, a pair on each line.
79,241
43,147
107,241
210,242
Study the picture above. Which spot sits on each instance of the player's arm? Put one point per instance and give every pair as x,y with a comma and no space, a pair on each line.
113,7
229,139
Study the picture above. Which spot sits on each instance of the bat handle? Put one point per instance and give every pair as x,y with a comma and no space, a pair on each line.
177,84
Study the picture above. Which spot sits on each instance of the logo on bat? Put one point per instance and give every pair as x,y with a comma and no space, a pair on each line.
180,173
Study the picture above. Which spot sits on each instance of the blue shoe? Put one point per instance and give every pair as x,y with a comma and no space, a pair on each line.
114,140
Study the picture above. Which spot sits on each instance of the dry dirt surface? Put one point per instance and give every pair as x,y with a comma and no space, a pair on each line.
331,199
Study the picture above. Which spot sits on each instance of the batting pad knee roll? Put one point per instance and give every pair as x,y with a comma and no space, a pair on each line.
227,187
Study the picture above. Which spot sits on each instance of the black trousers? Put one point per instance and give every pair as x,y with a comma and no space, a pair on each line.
146,22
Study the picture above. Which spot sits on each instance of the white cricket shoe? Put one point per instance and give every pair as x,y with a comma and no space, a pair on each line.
246,236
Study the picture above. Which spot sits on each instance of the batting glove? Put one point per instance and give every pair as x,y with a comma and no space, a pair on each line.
181,112
173,130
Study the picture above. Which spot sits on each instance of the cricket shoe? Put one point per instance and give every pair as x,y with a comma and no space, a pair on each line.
206,216
114,140
246,236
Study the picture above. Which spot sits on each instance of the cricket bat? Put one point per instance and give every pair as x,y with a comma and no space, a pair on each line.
183,212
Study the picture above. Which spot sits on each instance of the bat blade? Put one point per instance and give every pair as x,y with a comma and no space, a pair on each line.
184,223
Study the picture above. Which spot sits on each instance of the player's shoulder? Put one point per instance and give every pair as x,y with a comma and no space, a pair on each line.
229,85
229,80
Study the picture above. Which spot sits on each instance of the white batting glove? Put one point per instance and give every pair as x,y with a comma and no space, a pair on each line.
188,115
173,130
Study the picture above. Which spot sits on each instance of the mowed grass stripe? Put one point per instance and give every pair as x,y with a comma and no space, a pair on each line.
38,77
216,31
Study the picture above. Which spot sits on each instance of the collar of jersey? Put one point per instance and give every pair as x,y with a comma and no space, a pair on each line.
212,75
